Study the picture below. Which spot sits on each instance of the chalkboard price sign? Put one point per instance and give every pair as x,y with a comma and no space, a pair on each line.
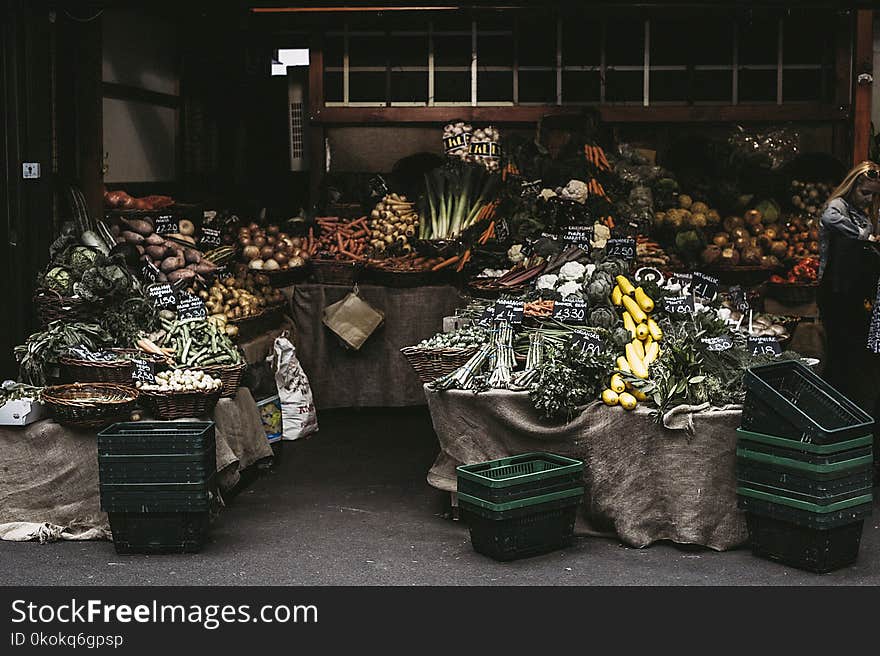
579,236
722,343
166,224
509,311
487,316
764,345
190,308
739,299
150,272
210,237
502,230
704,285
571,312
679,304
162,295
625,249
143,371
588,342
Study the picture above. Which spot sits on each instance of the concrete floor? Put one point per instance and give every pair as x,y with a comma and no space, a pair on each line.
350,506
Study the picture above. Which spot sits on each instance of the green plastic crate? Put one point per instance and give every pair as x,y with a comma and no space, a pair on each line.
519,477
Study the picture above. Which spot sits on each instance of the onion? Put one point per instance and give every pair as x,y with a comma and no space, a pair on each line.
273,229
255,264
251,252
267,251
281,258
271,265
271,240
296,242
253,227
259,241
245,242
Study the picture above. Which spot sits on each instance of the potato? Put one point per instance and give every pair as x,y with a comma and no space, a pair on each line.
132,237
169,264
181,274
155,240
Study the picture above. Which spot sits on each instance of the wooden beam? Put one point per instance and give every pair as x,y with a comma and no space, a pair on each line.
316,128
609,113
137,94
863,66
843,41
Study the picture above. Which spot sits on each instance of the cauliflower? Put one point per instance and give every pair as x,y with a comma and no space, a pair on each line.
547,281
570,288
589,270
724,314
572,271
575,190
601,234
515,254
547,194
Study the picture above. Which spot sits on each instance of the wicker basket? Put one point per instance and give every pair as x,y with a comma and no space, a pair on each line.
792,294
335,272
167,406
258,324
230,374
287,277
403,278
52,306
430,364
112,371
492,290
89,405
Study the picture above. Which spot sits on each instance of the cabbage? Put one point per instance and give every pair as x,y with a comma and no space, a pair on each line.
769,210
81,258
58,279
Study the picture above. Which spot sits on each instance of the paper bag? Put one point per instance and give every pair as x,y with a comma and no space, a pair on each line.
298,416
353,320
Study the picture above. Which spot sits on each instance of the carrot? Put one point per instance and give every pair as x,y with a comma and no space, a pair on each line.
352,256
464,260
445,263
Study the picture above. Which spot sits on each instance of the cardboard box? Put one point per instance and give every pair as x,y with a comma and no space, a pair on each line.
270,413
21,412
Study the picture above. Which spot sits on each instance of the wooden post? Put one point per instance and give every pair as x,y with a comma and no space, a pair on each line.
863,71
317,162
843,53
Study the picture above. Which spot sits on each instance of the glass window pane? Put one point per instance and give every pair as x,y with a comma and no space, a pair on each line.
366,50
495,86
408,50
669,86
802,85
624,86
581,41
333,87
452,50
670,42
537,42
334,49
757,86
495,50
758,39
806,37
452,87
580,86
409,87
715,86
625,43
537,86
366,87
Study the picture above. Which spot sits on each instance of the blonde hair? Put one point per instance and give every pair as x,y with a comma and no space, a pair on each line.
844,189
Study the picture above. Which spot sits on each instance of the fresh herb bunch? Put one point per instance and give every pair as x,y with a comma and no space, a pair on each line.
41,351
568,379
129,320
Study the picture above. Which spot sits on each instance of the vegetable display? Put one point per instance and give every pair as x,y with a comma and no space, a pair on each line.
237,297
339,239
393,223
174,260
270,249
122,200
456,197
198,343
39,354
181,380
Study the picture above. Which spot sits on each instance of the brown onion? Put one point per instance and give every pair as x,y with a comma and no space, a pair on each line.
267,251
259,240
273,230
245,241
281,258
251,252
271,240
270,265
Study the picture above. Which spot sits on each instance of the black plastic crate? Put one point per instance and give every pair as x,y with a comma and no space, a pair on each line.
159,497
520,477
521,528
823,500
809,460
815,550
159,532
746,472
156,437
792,511
193,467
788,400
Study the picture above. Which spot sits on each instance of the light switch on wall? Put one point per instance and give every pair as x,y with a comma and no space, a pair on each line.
30,170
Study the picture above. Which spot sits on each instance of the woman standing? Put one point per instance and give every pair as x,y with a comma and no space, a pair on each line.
848,275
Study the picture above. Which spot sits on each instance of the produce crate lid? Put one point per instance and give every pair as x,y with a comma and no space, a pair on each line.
176,428
520,503
787,443
515,470
804,466
805,505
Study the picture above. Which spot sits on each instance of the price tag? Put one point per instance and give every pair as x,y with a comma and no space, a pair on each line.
679,304
487,316
509,311
572,312
166,224
502,230
722,343
704,285
683,279
739,298
378,186
190,308
221,271
764,345
210,237
485,149
143,371
580,236
649,274
456,143
162,295
150,272
625,249
588,342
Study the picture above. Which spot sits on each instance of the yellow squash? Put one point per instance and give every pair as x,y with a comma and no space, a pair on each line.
609,397
633,308
623,365
635,362
644,300
625,285
627,401
654,329
640,349
652,352
628,323
617,383
616,295
642,331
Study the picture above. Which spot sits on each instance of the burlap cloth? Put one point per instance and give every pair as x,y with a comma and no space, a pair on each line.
49,472
377,375
644,482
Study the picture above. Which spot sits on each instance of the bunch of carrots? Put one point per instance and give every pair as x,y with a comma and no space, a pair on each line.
341,238
488,212
596,156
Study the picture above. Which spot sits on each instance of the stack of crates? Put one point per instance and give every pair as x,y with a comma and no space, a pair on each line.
157,483
520,506
804,468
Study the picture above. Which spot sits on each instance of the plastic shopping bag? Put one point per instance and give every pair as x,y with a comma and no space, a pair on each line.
298,416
